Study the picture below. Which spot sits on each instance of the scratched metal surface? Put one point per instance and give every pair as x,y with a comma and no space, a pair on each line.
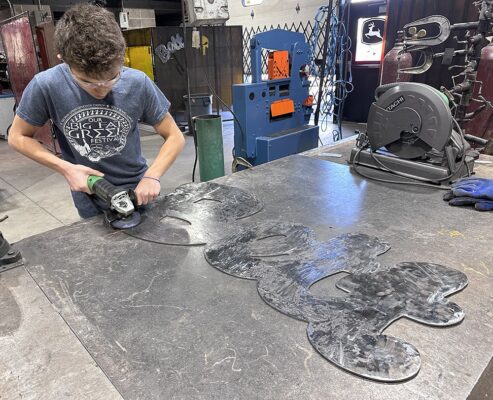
162,323
351,335
195,214
346,331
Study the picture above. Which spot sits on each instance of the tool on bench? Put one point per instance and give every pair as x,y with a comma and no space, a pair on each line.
410,133
122,203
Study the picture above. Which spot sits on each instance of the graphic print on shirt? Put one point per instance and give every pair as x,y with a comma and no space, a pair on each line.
97,131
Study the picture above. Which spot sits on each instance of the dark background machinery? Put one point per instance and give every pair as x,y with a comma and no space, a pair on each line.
411,133
273,112
461,55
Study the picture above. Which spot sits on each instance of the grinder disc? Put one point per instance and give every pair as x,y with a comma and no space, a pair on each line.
128,222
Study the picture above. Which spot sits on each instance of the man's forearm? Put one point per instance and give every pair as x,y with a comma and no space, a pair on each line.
34,150
21,139
173,145
167,155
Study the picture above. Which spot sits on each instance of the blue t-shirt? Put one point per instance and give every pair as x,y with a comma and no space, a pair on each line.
101,134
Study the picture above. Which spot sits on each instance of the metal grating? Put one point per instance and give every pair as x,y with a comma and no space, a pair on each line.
305,28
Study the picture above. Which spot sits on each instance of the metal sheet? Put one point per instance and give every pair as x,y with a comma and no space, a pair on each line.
162,323
19,47
346,331
220,57
22,62
45,34
195,214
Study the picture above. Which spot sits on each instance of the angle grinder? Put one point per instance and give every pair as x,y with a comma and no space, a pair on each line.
122,203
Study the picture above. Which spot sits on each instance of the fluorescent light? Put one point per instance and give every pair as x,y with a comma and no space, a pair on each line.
249,3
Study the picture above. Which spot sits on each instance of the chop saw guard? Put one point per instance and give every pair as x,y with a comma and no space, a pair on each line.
409,119
410,133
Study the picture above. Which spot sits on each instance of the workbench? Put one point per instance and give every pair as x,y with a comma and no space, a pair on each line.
96,314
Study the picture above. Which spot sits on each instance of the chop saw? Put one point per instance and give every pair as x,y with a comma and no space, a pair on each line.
411,133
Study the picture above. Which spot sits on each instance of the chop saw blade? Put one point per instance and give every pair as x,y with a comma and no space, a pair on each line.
408,150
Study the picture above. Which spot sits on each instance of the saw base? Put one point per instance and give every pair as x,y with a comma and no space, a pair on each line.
418,169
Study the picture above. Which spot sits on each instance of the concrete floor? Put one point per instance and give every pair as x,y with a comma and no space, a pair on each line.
36,199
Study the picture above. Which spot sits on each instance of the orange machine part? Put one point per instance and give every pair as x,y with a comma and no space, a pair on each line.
308,101
278,64
282,107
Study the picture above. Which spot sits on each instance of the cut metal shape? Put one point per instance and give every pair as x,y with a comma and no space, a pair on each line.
203,207
352,336
244,254
429,31
286,271
425,54
346,331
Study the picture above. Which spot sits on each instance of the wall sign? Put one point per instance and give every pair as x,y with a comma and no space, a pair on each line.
369,39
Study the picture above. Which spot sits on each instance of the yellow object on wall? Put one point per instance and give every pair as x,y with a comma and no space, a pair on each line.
140,57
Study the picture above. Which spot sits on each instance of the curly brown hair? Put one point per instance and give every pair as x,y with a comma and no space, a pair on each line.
89,39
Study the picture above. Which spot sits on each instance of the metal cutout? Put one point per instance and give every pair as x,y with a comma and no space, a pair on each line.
351,337
242,254
205,206
346,331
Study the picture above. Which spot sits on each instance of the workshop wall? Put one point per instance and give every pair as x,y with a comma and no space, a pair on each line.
401,12
218,62
273,12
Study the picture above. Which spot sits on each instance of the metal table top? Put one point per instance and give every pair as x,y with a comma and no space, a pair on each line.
162,323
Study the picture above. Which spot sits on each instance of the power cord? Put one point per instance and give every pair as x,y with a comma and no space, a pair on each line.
373,178
191,127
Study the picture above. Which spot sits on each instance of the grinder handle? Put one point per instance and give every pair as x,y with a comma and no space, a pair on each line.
102,188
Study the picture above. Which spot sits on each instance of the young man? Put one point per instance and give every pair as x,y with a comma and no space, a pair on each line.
95,104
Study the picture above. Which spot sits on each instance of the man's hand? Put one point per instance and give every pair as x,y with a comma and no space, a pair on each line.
147,190
149,187
76,176
21,139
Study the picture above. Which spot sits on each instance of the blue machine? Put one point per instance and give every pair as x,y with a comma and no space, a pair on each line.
274,113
